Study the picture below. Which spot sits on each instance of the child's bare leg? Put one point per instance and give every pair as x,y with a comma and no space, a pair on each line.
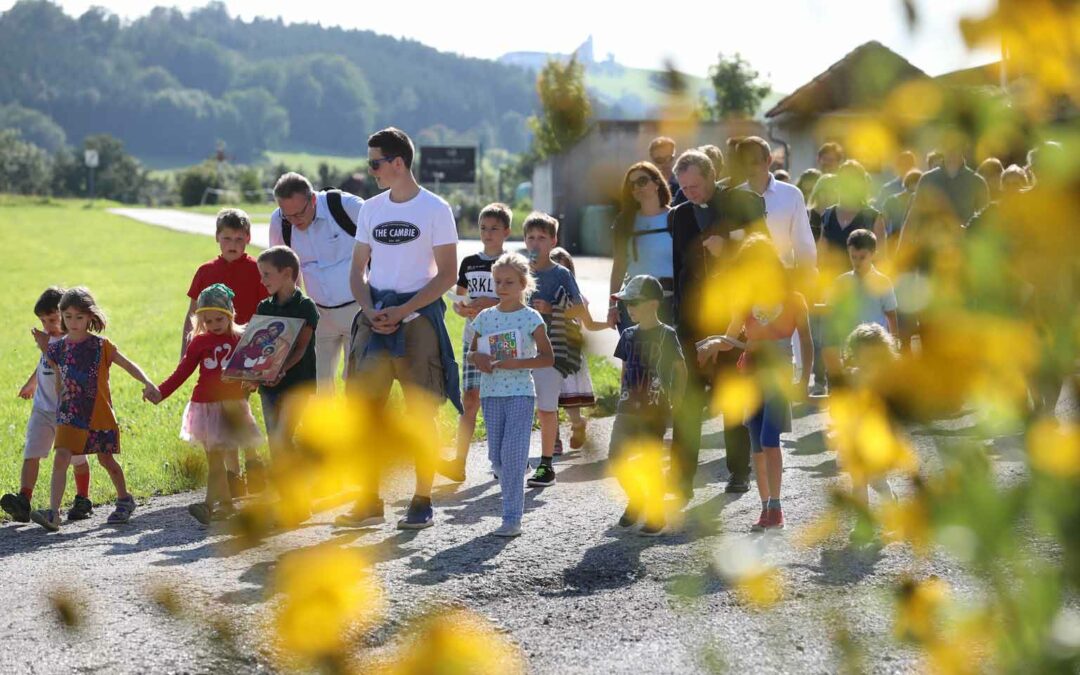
549,427
217,483
575,416
59,478
30,468
232,460
761,474
470,401
116,474
774,461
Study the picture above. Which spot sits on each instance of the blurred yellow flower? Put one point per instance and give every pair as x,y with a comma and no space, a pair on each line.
918,610
456,642
906,521
1054,448
327,590
736,396
863,437
762,587
640,471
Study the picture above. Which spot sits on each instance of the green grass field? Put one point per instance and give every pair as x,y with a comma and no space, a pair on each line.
310,162
139,275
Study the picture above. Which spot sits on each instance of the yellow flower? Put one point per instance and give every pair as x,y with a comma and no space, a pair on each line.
736,396
326,591
918,610
863,437
1054,448
640,471
906,521
454,642
762,587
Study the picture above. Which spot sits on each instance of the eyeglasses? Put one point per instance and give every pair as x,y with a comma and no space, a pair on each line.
299,214
640,181
376,164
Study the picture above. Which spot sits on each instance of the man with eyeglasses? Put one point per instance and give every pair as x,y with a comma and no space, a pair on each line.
319,226
409,237
706,232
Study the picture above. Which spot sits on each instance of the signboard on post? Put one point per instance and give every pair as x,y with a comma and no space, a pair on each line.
90,157
447,164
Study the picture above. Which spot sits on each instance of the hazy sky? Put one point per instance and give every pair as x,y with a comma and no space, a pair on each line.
788,41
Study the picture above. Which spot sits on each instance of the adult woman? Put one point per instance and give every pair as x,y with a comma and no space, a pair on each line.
642,237
851,212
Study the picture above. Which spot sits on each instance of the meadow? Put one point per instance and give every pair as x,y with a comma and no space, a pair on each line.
139,275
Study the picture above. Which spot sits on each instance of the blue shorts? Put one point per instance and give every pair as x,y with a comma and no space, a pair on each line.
765,426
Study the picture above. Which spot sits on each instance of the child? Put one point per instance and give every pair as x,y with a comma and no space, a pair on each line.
555,287
768,343
508,341
41,427
870,354
218,416
239,271
279,268
474,280
863,295
577,390
85,424
653,377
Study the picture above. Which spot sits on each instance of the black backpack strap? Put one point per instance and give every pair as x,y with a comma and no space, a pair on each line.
333,202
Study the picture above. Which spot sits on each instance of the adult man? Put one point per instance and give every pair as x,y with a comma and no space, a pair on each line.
905,162
662,155
706,231
785,208
829,157
319,227
409,236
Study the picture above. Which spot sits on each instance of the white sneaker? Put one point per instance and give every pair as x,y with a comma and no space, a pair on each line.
508,530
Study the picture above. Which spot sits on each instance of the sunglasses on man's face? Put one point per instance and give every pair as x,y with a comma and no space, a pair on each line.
376,164
640,181
662,160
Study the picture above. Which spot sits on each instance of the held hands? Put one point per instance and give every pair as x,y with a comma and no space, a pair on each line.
41,338
27,390
388,320
709,349
613,316
714,244
151,393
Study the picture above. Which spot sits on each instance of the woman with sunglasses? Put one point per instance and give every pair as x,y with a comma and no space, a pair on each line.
642,238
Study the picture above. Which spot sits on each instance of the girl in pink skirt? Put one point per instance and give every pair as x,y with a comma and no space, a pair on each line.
218,416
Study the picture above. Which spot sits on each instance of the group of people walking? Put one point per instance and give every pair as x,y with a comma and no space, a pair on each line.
374,276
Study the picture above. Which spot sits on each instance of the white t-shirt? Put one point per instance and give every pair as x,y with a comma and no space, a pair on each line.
402,236
47,394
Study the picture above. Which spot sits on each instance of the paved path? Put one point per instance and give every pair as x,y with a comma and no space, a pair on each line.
592,273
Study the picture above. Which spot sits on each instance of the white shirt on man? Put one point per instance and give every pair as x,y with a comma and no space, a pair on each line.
788,223
402,237
325,250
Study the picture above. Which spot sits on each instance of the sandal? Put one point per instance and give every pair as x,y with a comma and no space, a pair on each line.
124,508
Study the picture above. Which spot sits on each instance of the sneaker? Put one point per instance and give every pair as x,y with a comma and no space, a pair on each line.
508,530
17,506
762,522
544,477
558,446
774,519
737,485
652,529
223,511
82,509
255,476
629,517
200,512
577,435
819,390
419,516
368,513
124,508
237,485
46,518
454,469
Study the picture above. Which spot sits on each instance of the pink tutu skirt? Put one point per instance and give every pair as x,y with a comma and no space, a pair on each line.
221,424
577,389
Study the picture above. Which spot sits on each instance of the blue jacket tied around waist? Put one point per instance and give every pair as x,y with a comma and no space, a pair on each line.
395,342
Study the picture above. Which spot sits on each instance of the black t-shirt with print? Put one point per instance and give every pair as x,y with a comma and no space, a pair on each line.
474,275
649,360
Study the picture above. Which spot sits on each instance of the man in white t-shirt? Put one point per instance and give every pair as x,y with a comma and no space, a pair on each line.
409,237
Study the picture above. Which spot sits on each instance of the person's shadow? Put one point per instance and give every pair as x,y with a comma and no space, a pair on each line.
469,557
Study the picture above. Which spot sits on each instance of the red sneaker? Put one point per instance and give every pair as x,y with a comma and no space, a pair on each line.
774,519
762,522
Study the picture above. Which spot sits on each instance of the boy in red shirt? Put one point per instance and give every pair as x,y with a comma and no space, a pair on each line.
239,271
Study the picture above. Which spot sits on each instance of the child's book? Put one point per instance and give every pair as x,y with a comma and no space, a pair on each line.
263,349
502,345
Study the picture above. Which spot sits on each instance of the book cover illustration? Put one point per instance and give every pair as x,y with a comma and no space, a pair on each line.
262,350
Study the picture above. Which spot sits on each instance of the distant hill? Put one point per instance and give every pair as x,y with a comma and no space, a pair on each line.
173,85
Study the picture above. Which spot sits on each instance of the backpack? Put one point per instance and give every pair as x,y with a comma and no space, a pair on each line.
333,201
